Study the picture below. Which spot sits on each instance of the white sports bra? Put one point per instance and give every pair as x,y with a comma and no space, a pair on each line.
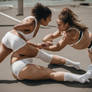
30,35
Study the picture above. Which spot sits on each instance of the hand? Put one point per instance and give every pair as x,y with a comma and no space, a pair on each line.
46,44
49,43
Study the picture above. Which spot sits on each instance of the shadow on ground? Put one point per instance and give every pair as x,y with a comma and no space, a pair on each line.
8,81
69,68
69,84
47,82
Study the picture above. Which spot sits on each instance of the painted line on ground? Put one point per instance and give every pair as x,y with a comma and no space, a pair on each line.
10,17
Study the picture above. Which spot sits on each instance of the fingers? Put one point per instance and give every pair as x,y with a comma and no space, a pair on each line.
46,44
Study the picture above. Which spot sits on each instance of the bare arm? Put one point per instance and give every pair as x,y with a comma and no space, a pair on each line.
22,27
57,47
25,25
46,39
35,45
66,39
50,37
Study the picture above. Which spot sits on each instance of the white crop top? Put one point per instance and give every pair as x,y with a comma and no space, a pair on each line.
30,35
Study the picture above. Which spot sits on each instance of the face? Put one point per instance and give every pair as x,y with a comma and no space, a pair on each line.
45,22
61,25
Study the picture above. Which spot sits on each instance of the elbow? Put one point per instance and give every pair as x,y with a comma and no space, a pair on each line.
58,49
55,50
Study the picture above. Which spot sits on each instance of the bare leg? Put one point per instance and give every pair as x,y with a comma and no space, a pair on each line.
62,60
4,52
55,59
49,58
35,72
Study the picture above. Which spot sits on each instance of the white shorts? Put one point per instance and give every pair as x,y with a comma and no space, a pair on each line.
19,65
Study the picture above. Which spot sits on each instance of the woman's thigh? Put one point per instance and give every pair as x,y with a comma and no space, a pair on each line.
35,72
4,52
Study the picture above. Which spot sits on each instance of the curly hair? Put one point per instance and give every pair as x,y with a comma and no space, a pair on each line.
40,11
68,16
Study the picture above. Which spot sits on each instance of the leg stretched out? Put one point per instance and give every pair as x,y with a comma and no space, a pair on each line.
55,59
25,70
35,72
50,58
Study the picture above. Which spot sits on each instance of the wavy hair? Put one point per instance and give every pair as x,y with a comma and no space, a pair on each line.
40,11
68,16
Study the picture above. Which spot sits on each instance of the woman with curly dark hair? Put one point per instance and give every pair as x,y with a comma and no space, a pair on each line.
25,30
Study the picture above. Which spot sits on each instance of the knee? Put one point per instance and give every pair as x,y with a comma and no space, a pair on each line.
35,52
53,75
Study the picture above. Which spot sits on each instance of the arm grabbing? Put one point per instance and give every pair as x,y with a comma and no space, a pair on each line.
51,37
57,47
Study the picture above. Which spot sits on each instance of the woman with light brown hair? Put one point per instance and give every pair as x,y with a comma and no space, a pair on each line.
73,33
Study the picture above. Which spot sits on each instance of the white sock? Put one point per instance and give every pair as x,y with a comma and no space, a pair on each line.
70,62
78,78
44,56
90,70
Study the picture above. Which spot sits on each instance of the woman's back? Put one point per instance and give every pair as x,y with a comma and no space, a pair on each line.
83,42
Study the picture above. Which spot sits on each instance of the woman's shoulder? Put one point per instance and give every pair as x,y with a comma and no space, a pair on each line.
71,34
29,19
72,29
